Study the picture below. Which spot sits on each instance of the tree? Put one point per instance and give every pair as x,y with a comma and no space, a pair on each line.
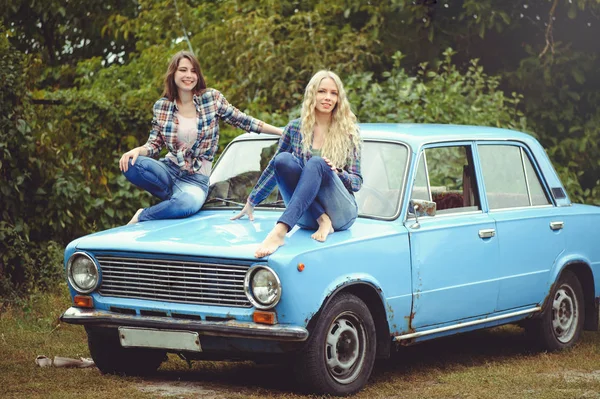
80,77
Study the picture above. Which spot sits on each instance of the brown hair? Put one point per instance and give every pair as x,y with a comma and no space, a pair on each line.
170,90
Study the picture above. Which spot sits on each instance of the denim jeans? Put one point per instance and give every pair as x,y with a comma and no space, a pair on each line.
312,190
183,194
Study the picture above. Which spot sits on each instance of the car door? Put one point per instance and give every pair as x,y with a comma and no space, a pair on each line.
528,225
454,253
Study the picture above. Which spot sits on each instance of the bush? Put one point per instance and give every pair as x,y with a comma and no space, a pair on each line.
59,174
439,94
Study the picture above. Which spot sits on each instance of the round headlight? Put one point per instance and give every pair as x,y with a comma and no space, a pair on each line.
263,287
82,272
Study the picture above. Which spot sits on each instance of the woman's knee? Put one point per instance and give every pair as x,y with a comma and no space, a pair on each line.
134,170
283,160
317,162
318,167
147,168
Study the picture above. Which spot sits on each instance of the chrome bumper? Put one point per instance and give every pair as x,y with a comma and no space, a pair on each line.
234,329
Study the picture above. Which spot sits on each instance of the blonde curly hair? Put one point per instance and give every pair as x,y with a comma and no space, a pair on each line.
342,138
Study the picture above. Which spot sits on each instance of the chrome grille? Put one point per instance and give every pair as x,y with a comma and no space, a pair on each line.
173,281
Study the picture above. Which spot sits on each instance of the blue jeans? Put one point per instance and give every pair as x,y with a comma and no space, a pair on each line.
312,190
183,194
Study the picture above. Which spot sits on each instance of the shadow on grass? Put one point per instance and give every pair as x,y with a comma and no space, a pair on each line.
465,350
468,349
243,377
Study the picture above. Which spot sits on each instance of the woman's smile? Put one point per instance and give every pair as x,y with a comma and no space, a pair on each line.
185,76
327,96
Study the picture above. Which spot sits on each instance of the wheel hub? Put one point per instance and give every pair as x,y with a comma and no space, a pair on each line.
564,314
345,349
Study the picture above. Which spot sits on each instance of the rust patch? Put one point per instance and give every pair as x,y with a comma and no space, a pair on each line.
549,296
409,320
308,319
390,311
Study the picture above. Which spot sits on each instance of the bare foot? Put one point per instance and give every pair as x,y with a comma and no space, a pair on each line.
325,228
136,217
274,240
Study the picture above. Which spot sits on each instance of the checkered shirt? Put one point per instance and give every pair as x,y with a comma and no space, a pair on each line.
211,106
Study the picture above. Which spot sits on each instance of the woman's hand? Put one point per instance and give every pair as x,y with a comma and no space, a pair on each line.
124,161
331,165
247,210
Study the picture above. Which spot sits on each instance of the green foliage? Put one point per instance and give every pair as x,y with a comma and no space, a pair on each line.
63,33
26,266
16,144
440,94
78,84
260,51
566,115
59,179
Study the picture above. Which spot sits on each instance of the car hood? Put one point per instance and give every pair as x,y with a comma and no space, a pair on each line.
213,234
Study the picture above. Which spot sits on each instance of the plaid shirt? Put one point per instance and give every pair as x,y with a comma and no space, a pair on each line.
291,141
211,106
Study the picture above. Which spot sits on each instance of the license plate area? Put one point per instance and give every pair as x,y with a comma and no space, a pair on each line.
133,337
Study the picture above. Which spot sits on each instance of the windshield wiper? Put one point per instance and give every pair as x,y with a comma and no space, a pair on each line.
226,200
278,203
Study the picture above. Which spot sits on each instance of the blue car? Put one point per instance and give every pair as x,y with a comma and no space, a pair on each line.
460,228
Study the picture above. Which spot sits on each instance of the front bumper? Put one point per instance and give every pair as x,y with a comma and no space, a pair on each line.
234,329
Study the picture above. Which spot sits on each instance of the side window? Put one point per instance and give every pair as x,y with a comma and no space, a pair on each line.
510,178
446,176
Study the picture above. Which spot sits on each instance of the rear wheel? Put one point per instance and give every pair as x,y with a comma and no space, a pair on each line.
561,322
111,358
340,353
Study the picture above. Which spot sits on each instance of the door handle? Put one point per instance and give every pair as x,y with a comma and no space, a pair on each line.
556,225
487,233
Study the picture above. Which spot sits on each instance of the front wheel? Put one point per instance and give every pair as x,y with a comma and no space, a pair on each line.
561,323
111,358
340,353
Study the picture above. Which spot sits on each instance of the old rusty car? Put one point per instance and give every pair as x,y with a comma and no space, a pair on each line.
460,228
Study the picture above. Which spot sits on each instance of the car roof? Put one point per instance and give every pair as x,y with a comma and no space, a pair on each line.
418,134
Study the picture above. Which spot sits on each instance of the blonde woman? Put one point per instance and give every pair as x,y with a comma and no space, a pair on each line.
316,166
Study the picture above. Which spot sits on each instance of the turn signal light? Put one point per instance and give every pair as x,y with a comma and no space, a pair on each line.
265,317
83,301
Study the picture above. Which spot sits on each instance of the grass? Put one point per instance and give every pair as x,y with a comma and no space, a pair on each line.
496,363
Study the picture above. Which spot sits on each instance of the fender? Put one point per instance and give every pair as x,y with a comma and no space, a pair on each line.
592,300
344,282
562,262
379,311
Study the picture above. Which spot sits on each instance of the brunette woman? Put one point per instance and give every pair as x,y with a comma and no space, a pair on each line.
186,121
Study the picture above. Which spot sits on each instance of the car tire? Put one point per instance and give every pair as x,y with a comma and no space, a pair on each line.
111,358
561,323
339,355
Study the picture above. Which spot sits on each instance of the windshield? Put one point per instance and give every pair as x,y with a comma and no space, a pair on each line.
383,167
238,170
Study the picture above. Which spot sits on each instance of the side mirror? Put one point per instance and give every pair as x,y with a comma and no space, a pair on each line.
421,208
